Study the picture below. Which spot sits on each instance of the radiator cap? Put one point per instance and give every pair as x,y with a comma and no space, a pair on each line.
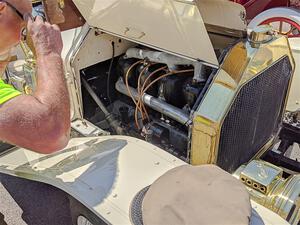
261,35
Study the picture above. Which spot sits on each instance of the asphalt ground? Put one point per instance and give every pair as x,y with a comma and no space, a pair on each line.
24,202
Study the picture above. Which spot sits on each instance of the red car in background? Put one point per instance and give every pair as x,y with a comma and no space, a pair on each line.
284,15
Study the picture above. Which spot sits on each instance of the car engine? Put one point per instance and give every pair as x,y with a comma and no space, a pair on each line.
149,94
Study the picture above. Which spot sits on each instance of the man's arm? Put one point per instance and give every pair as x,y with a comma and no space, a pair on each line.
40,122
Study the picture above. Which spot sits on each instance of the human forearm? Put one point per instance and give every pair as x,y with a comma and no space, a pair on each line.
40,122
51,88
51,85
27,123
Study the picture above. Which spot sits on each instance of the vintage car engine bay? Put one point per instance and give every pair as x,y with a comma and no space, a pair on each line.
206,91
151,94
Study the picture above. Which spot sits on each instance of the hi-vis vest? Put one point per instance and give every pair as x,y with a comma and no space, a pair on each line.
7,92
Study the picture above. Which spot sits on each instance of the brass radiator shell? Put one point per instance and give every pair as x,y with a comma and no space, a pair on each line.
242,64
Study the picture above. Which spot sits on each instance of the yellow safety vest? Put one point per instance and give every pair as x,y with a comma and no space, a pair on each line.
7,92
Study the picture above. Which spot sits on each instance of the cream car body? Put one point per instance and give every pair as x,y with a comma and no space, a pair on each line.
105,173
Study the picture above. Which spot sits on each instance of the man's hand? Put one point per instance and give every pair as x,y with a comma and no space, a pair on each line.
45,37
41,121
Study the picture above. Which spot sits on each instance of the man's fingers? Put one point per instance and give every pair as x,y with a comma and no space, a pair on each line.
28,17
29,23
39,19
46,37
55,27
36,24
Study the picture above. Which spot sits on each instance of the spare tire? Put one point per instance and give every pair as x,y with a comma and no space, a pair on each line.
285,20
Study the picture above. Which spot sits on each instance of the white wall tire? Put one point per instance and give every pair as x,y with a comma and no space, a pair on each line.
287,15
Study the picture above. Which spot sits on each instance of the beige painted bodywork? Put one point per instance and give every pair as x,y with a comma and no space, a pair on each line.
225,14
174,26
294,97
104,174
84,47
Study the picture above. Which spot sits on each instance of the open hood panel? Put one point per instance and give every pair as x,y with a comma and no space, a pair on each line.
175,26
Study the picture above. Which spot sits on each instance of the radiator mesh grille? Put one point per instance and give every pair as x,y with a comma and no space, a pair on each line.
254,116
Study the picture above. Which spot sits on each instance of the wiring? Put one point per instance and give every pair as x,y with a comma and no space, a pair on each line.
139,84
181,72
142,88
143,111
109,72
140,103
126,80
140,106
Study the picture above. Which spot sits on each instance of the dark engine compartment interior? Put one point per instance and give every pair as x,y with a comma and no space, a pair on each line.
286,153
175,93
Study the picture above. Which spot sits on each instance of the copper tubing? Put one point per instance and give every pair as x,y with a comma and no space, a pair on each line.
140,104
166,75
156,104
150,76
141,91
139,86
144,110
144,89
126,80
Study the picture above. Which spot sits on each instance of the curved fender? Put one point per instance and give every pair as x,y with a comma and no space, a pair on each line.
104,174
